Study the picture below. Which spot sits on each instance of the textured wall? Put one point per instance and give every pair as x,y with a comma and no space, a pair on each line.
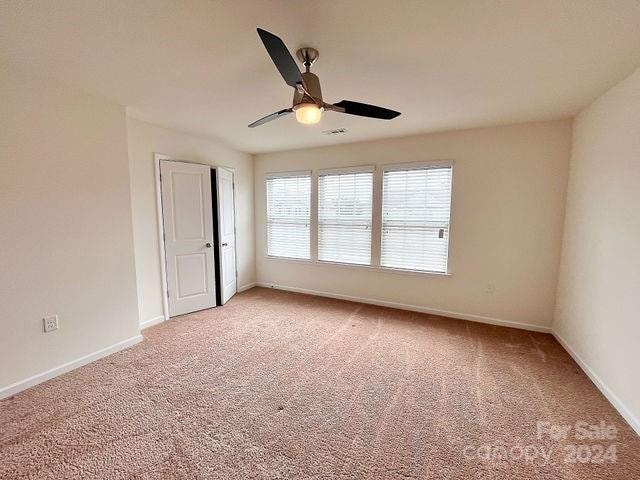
507,211
598,306
67,242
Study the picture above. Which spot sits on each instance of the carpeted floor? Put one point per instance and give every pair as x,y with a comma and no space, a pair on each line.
282,385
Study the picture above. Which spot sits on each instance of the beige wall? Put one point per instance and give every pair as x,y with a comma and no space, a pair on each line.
144,140
598,304
508,204
67,242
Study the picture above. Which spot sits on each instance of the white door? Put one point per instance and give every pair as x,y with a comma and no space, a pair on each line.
227,229
187,213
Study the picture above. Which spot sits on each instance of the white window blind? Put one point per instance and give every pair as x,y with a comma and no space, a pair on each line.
289,216
344,216
416,205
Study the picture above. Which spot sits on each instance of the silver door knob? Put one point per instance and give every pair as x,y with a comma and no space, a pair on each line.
208,245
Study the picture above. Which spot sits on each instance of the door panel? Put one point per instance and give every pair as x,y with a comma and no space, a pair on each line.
191,273
227,232
229,274
188,225
188,211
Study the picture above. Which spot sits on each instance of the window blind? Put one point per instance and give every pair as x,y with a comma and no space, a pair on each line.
344,216
289,216
416,207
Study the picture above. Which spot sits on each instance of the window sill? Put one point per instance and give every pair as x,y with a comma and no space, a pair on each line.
371,268
289,259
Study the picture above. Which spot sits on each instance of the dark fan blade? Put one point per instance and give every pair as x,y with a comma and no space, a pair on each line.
278,52
273,116
365,110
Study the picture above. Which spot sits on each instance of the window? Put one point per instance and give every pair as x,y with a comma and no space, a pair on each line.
416,204
344,215
289,215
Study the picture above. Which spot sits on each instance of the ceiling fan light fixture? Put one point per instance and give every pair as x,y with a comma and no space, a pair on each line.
307,95
308,113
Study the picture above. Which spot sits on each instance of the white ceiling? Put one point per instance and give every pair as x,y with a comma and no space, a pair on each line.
199,66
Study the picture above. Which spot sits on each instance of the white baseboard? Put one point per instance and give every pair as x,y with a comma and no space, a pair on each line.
67,367
413,308
630,418
246,287
151,322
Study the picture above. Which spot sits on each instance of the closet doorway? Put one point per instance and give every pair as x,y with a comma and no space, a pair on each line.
198,235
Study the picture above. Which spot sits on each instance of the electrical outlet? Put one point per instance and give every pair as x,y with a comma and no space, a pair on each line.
50,323
490,288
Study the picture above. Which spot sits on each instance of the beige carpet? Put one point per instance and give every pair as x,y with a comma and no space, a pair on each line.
281,385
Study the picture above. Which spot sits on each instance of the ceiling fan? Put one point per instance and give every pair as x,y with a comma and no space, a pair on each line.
307,97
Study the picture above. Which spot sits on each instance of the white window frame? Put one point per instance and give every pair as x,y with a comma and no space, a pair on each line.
340,171
419,166
296,173
376,218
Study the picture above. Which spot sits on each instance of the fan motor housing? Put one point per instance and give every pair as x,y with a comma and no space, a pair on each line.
312,83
